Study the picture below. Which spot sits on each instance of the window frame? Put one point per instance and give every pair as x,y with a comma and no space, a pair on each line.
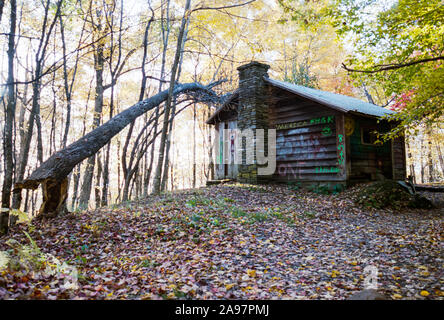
371,129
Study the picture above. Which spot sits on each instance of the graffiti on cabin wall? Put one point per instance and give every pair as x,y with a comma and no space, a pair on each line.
292,125
341,148
322,120
221,148
326,132
326,170
349,126
305,123
313,142
316,145
287,170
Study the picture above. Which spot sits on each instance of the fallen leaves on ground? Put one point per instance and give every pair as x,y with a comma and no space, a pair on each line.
233,242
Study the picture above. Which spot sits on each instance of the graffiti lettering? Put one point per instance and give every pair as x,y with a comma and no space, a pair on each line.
285,170
328,119
292,125
327,170
304,123
341,149
326,131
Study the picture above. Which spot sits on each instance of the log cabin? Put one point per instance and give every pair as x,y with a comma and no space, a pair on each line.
322,138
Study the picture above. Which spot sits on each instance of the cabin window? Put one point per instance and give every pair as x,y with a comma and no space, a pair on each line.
368,135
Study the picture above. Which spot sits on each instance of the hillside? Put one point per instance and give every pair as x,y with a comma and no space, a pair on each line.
230,242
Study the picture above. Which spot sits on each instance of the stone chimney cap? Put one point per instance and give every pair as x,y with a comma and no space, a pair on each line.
254,64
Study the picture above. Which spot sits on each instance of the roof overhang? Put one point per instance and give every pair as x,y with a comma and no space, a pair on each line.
331,100
230,99
293,89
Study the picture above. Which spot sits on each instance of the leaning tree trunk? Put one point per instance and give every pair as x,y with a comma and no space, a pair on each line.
53,172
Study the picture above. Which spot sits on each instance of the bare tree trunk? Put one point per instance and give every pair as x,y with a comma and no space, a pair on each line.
97,192
114,71
68,86
173,114
2,4
431,176
440,157
104,199
367,94
194,146
99,62
210,152
75,188
157,177
35,109
126,169
410,159
167,151
165,31
422,159
9,122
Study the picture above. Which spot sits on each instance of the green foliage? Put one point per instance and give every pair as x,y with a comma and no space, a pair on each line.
309,15
294,186
253,188
309,214
237,212
259,216
386,34
301,75
248,217
200,201
23,257
326,189
408,31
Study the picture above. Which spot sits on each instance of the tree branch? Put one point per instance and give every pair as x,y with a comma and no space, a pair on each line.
393,66
61,163
224,7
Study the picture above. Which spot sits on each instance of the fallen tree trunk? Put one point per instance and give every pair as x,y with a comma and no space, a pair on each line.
53,172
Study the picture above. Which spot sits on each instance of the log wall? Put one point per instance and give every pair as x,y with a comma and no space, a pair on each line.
368,162
399,161
307,141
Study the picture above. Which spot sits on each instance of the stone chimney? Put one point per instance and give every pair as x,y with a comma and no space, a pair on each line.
252,114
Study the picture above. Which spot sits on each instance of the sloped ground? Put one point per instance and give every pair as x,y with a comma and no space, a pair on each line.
236,242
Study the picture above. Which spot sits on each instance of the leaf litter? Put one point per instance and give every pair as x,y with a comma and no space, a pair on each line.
228,242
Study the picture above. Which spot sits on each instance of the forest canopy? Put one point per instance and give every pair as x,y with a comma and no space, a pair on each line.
398,49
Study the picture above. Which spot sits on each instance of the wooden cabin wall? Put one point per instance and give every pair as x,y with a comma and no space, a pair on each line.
368,162
307,141
399,161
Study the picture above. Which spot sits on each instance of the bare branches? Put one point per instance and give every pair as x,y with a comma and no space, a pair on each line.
224,7
60,164
392,66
